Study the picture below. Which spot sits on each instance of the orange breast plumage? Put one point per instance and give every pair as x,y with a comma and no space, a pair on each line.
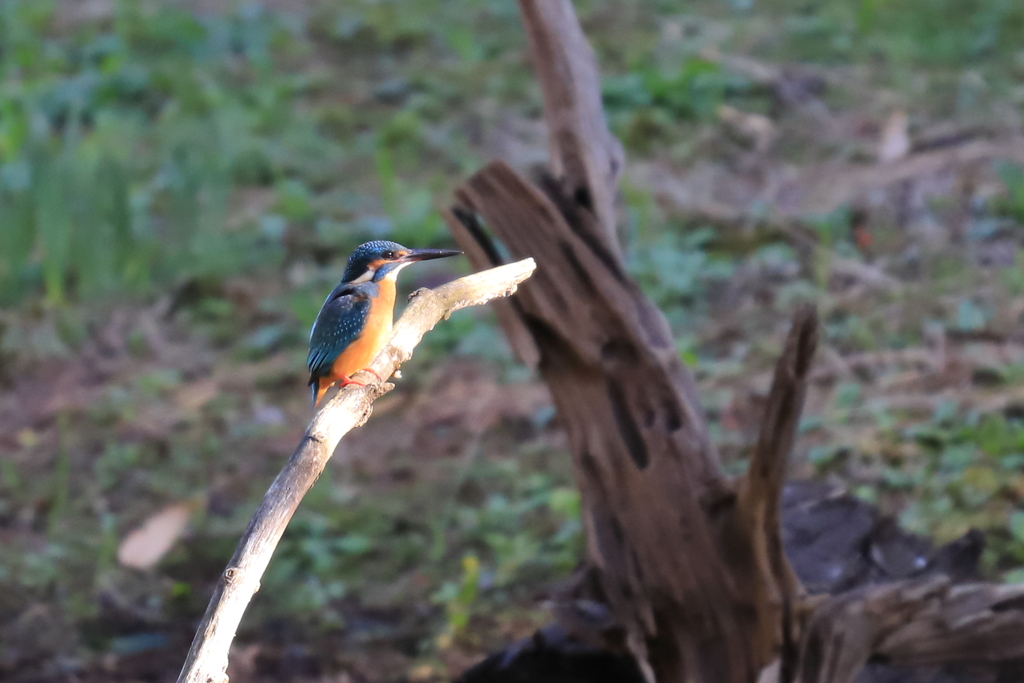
361,351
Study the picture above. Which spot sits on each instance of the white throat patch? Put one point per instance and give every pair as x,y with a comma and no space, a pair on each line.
365,277
393,273
370,272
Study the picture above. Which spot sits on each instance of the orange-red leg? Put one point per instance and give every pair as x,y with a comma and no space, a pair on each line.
323,384
345,381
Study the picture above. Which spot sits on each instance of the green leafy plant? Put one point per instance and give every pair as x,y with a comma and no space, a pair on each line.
458,599
969,475
677,268
116,159
1012,203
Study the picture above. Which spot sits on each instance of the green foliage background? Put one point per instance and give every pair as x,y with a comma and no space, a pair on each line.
203,170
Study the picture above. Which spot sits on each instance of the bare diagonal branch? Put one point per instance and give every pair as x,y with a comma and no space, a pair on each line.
207,660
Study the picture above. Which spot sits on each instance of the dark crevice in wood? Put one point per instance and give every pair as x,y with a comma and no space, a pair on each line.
673,418
1013,605
472,224
631,435
618,355
582,197
578,218
789,651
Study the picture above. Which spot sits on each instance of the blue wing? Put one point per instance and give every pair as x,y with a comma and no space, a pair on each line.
339,323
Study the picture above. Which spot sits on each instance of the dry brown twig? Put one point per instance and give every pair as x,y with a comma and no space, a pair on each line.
207,660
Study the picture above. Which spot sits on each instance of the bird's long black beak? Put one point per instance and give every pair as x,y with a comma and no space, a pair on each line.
428,254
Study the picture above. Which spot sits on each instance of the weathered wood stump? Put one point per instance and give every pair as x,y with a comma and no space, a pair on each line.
686,574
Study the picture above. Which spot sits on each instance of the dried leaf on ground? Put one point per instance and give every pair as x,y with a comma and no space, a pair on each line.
147,544
895,141
754,129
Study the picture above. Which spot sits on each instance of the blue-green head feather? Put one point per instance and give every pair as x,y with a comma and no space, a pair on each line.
373,261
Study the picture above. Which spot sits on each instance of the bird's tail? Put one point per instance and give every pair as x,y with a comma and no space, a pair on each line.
318,387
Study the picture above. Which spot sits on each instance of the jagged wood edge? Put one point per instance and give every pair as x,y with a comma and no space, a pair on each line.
759,495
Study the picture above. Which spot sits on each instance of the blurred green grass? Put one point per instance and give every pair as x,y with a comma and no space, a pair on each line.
122,141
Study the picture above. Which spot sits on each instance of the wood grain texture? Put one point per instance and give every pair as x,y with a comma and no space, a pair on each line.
585,157
916,622
207,659
647,470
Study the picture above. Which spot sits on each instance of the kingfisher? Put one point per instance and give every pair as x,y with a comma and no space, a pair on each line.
355,321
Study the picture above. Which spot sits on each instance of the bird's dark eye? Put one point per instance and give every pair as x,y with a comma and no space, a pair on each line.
388,255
